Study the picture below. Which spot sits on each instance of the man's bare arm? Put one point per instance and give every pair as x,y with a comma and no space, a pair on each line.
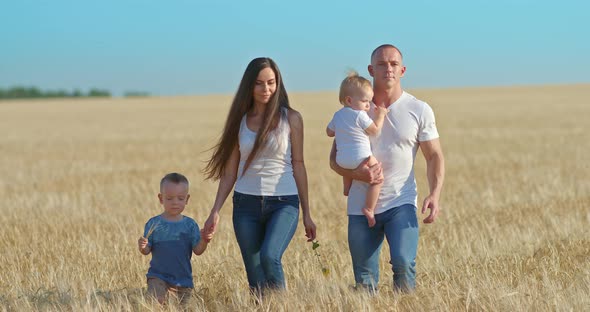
362,173
435,172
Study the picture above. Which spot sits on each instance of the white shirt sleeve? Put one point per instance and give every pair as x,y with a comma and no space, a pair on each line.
363,120
427,130
331,125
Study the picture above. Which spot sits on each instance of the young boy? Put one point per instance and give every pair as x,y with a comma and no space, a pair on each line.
352,125
171,238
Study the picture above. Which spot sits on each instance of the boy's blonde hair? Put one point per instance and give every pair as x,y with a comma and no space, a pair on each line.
351,84
175,178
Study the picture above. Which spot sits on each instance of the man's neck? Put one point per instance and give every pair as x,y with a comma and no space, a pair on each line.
388,96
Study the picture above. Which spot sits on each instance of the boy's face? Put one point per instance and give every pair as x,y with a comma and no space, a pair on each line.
174,196
360,99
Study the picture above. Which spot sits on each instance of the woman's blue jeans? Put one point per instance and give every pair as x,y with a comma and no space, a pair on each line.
264,226
400,226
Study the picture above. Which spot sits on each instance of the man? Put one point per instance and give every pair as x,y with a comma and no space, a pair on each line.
409,124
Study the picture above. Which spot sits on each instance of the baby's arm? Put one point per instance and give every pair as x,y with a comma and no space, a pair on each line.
143,246
330,129
330,132
375,128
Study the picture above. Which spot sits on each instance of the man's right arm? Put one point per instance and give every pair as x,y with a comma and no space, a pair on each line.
362,173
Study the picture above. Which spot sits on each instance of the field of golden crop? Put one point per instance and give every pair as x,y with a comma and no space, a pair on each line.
79,179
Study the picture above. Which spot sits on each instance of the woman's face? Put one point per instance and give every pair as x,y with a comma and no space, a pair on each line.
265,86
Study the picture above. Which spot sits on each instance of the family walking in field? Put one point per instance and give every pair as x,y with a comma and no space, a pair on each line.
260,156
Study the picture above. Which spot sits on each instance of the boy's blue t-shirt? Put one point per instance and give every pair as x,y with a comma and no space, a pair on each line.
172,244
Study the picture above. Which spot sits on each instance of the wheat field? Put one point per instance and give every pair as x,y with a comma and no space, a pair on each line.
79,179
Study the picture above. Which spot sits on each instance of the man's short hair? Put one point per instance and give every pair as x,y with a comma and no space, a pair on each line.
387,45
352,83
173,177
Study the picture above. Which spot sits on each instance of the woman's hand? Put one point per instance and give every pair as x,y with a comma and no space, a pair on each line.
310,231
206,236
211,223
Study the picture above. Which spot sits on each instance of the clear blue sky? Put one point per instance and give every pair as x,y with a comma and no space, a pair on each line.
202,47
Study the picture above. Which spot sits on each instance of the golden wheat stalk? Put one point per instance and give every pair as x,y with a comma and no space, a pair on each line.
151,230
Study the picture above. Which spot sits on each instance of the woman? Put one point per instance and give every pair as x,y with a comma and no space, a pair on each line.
261,152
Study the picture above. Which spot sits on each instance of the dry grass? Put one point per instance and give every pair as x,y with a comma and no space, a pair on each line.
80,178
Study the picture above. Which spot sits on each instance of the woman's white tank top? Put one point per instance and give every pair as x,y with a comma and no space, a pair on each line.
271,172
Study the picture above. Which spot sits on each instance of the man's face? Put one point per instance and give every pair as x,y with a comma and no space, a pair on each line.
386,68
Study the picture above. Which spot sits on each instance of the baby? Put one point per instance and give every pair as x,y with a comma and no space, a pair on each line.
351,125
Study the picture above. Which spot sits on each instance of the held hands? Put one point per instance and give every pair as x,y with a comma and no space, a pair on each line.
206,236
211,223
431,202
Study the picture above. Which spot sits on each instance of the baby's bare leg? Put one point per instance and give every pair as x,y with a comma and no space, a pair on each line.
372,196
347,182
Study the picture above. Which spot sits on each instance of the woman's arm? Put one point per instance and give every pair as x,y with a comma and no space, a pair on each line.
299,171
226,183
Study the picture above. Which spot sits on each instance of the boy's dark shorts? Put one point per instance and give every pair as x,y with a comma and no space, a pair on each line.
161,290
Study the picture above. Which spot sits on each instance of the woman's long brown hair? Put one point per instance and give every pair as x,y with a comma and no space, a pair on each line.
242,104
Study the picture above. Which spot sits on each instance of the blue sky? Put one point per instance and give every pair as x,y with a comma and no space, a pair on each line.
202,47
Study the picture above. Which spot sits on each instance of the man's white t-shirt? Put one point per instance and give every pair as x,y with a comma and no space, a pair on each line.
408,122
352,143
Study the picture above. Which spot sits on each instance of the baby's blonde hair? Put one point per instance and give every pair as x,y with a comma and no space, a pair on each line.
351,84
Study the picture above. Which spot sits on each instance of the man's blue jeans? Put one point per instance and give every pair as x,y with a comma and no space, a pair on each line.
264,226
400,226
